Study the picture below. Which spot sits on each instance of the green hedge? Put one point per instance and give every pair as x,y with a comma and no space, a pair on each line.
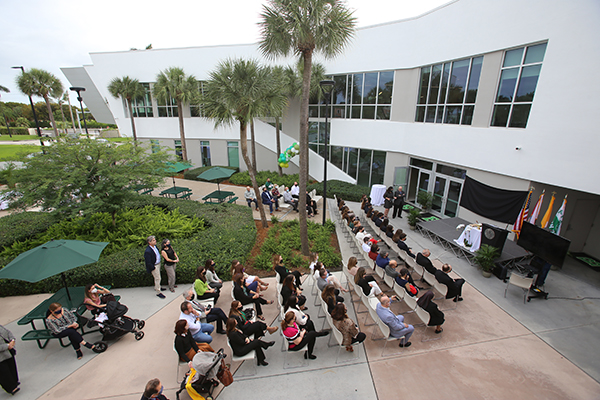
345,190
230,234
23,226
243,178
192,174
15,131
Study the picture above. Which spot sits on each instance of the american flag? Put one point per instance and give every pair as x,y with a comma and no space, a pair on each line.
522,215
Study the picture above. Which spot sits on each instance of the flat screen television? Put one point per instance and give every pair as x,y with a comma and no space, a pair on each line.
545,244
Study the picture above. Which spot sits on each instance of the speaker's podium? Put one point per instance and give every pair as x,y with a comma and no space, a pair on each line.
493,236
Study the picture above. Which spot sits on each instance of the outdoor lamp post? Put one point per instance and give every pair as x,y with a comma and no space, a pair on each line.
326,87
79,90
37,125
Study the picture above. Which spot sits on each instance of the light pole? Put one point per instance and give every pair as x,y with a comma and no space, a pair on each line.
79,90
326,87
37,125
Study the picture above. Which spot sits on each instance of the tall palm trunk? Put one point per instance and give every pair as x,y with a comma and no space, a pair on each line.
303,179
278,138
252,172
253,144
181,131
133,123
62,114
49,107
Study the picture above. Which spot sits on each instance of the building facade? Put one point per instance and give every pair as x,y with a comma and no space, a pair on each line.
474,87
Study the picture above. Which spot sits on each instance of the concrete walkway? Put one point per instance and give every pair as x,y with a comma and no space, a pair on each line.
491,348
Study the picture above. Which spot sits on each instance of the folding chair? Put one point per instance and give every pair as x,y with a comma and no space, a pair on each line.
521,282
425,317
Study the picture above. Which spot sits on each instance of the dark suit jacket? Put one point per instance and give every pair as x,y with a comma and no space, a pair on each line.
282,271
266,197
239,295
444,279
237,340
426,263
150,259
403,246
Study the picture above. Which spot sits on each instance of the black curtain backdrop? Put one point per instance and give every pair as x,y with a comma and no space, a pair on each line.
490,202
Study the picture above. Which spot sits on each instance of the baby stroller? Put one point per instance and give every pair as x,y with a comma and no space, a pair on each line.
114,323
202,378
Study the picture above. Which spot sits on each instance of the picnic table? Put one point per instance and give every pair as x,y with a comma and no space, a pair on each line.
141,189
218,197
74,304
175,191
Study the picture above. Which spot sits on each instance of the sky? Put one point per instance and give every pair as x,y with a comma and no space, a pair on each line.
61,33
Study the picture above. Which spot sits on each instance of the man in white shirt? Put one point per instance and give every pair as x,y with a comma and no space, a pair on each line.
199,331
295,190
289,199
366,246
152,261
361,234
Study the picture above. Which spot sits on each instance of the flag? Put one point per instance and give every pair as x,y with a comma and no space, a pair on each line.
558,218
522,215
546,218
536,210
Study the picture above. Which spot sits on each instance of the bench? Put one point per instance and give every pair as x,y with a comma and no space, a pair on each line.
42,334
187,196
146,191
232,200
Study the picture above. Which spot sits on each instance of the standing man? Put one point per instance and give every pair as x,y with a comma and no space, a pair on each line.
250,197
154,390
395,322
398,202
267,199
152,259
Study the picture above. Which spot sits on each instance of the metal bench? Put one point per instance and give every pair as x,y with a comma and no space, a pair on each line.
232,200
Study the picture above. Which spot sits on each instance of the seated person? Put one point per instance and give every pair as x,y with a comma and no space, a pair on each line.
384,224
211,275
63,322
302,319
366,246
454,285
326,278
374,253
92,297
240,293
250,197
436,317
199,331
295,190
288,289
185,345
283,271
289,199
347,327
242,344
389,231
390,269
367,283
383,259
275,192
154,390
352,266
203,290
361,234
249,328
395,322
423,260
396,235
252,282
403,246
299,338
406,281
268,184
375,215
269,200
331,298
209,313
312,204
379,220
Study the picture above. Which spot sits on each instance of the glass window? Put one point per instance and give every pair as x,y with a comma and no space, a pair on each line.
517,85
378,169
357,88
458,81
313,132
364,167
154,145
205,151
337,152
421,163
386,85
420,114
474,80
168,108
143,106
451,171
368,112
233,155
438,194
370,88
453,114
339,112
467,115
339,90
383,112
196,109
430,116
452,199
436,74
425,72
178,151
352,162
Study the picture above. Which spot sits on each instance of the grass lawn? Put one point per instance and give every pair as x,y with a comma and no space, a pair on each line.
14,152
17,138
118,139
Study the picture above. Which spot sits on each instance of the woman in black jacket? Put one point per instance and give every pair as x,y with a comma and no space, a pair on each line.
283,271
184,342
436,317
242,345
240,294
288,289
248,327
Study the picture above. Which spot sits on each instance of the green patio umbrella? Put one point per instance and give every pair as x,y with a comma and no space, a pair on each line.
52,258
218,174
175,168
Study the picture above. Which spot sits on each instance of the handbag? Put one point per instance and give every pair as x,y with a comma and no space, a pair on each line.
224,375
411,289
107,297
249,313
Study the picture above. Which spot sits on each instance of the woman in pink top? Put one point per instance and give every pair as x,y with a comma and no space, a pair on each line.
92,296
299,338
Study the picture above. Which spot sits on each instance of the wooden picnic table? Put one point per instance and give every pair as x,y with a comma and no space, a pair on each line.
218,196
175,191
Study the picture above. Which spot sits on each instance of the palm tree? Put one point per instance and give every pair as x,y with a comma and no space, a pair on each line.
130,90
37,82
240,90
302,27
173,83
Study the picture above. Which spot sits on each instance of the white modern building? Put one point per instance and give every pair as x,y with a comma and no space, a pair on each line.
475,87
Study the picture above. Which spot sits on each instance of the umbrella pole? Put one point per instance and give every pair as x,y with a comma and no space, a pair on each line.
173,180
62,275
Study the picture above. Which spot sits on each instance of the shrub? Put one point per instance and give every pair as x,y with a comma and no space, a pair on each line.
230,234
345,190
15,131
24,226
192,174
243,178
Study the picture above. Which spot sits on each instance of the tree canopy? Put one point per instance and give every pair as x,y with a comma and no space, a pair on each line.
80,176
